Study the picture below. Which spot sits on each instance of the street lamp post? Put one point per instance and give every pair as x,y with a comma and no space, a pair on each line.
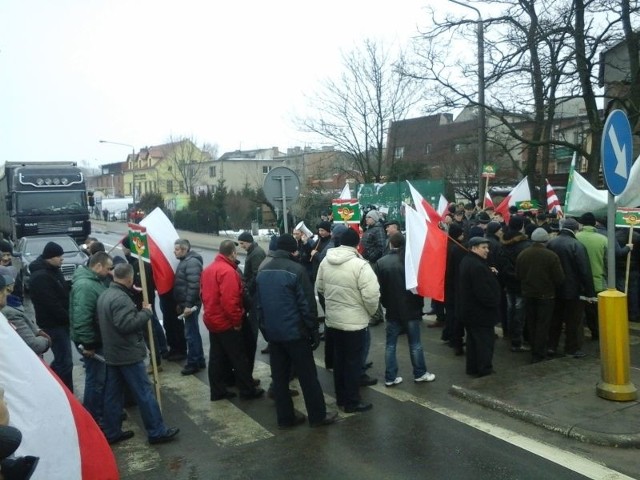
482,120
133,180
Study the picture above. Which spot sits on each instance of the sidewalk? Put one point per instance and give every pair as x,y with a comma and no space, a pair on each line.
558,395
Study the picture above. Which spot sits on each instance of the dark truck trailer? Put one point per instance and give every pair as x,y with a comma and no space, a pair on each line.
43,199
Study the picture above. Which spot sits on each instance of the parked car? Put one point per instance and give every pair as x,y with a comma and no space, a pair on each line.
29,248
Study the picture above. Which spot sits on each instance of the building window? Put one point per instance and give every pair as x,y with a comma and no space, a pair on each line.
398,153
180,187
170,168
427,148
212,171
266,169
169,186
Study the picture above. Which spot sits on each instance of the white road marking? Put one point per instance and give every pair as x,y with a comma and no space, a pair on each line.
571,461
222,421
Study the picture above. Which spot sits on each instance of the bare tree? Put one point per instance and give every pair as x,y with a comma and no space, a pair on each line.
542,54
186,161
354,112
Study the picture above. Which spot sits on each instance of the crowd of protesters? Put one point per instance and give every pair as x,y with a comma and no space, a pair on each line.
534,275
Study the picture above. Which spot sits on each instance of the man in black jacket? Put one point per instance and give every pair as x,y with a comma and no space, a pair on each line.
50,297
255,256
288,317
569,309
186,291
403,312
479,293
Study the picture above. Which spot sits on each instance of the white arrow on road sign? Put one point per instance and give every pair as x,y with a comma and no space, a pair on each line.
620,153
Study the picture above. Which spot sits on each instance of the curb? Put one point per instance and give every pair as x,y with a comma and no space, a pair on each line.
618,440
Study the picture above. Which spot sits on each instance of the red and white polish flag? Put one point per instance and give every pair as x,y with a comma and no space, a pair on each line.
553,203
520,193
426,249
54,425
161,235
488,203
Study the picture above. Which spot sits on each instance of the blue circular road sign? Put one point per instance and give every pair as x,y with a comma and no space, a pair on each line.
616,151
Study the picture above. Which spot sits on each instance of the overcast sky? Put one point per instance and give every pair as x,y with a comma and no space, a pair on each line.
73,72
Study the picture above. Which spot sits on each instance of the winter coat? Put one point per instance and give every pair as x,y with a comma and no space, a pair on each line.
285,300
255,256
374,241
121,326
513,243
49,294
186,286
478,294
83,303
350,289
539,271
222,295
575,265
622,238
321,246
401,305
455,254
25,326
138,296
596,245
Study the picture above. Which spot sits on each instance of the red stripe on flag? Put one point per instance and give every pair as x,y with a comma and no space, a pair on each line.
163,274
433,263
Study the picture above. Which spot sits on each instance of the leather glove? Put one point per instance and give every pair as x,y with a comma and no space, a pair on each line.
315,339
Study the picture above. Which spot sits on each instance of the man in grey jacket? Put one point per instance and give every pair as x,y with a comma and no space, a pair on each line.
121,325
186,291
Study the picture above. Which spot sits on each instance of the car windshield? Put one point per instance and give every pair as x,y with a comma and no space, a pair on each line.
53,203
35,246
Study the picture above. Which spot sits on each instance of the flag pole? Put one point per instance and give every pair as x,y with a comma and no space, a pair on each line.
486,190
152,343
626,277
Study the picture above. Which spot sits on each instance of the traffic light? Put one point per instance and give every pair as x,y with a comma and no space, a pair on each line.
92,202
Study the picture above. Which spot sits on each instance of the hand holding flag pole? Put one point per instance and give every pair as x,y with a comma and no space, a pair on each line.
138,240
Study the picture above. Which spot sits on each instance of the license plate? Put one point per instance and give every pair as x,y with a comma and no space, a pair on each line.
68,278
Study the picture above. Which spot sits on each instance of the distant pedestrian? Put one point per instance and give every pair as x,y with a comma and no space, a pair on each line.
479,304
121,325
540,274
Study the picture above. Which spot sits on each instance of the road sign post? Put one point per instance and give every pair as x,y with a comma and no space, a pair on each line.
281,187
616,153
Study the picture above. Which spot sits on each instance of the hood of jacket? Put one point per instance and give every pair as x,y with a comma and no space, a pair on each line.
40,264
512,237
192,254
341,254
85,273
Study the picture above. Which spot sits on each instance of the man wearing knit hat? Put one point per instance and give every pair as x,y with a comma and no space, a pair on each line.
288,317
352,294
50,297
540,274
373,245
578,282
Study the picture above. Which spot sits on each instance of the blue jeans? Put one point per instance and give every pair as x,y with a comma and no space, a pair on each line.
62,363
136,378
195,351
95,373
416,351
